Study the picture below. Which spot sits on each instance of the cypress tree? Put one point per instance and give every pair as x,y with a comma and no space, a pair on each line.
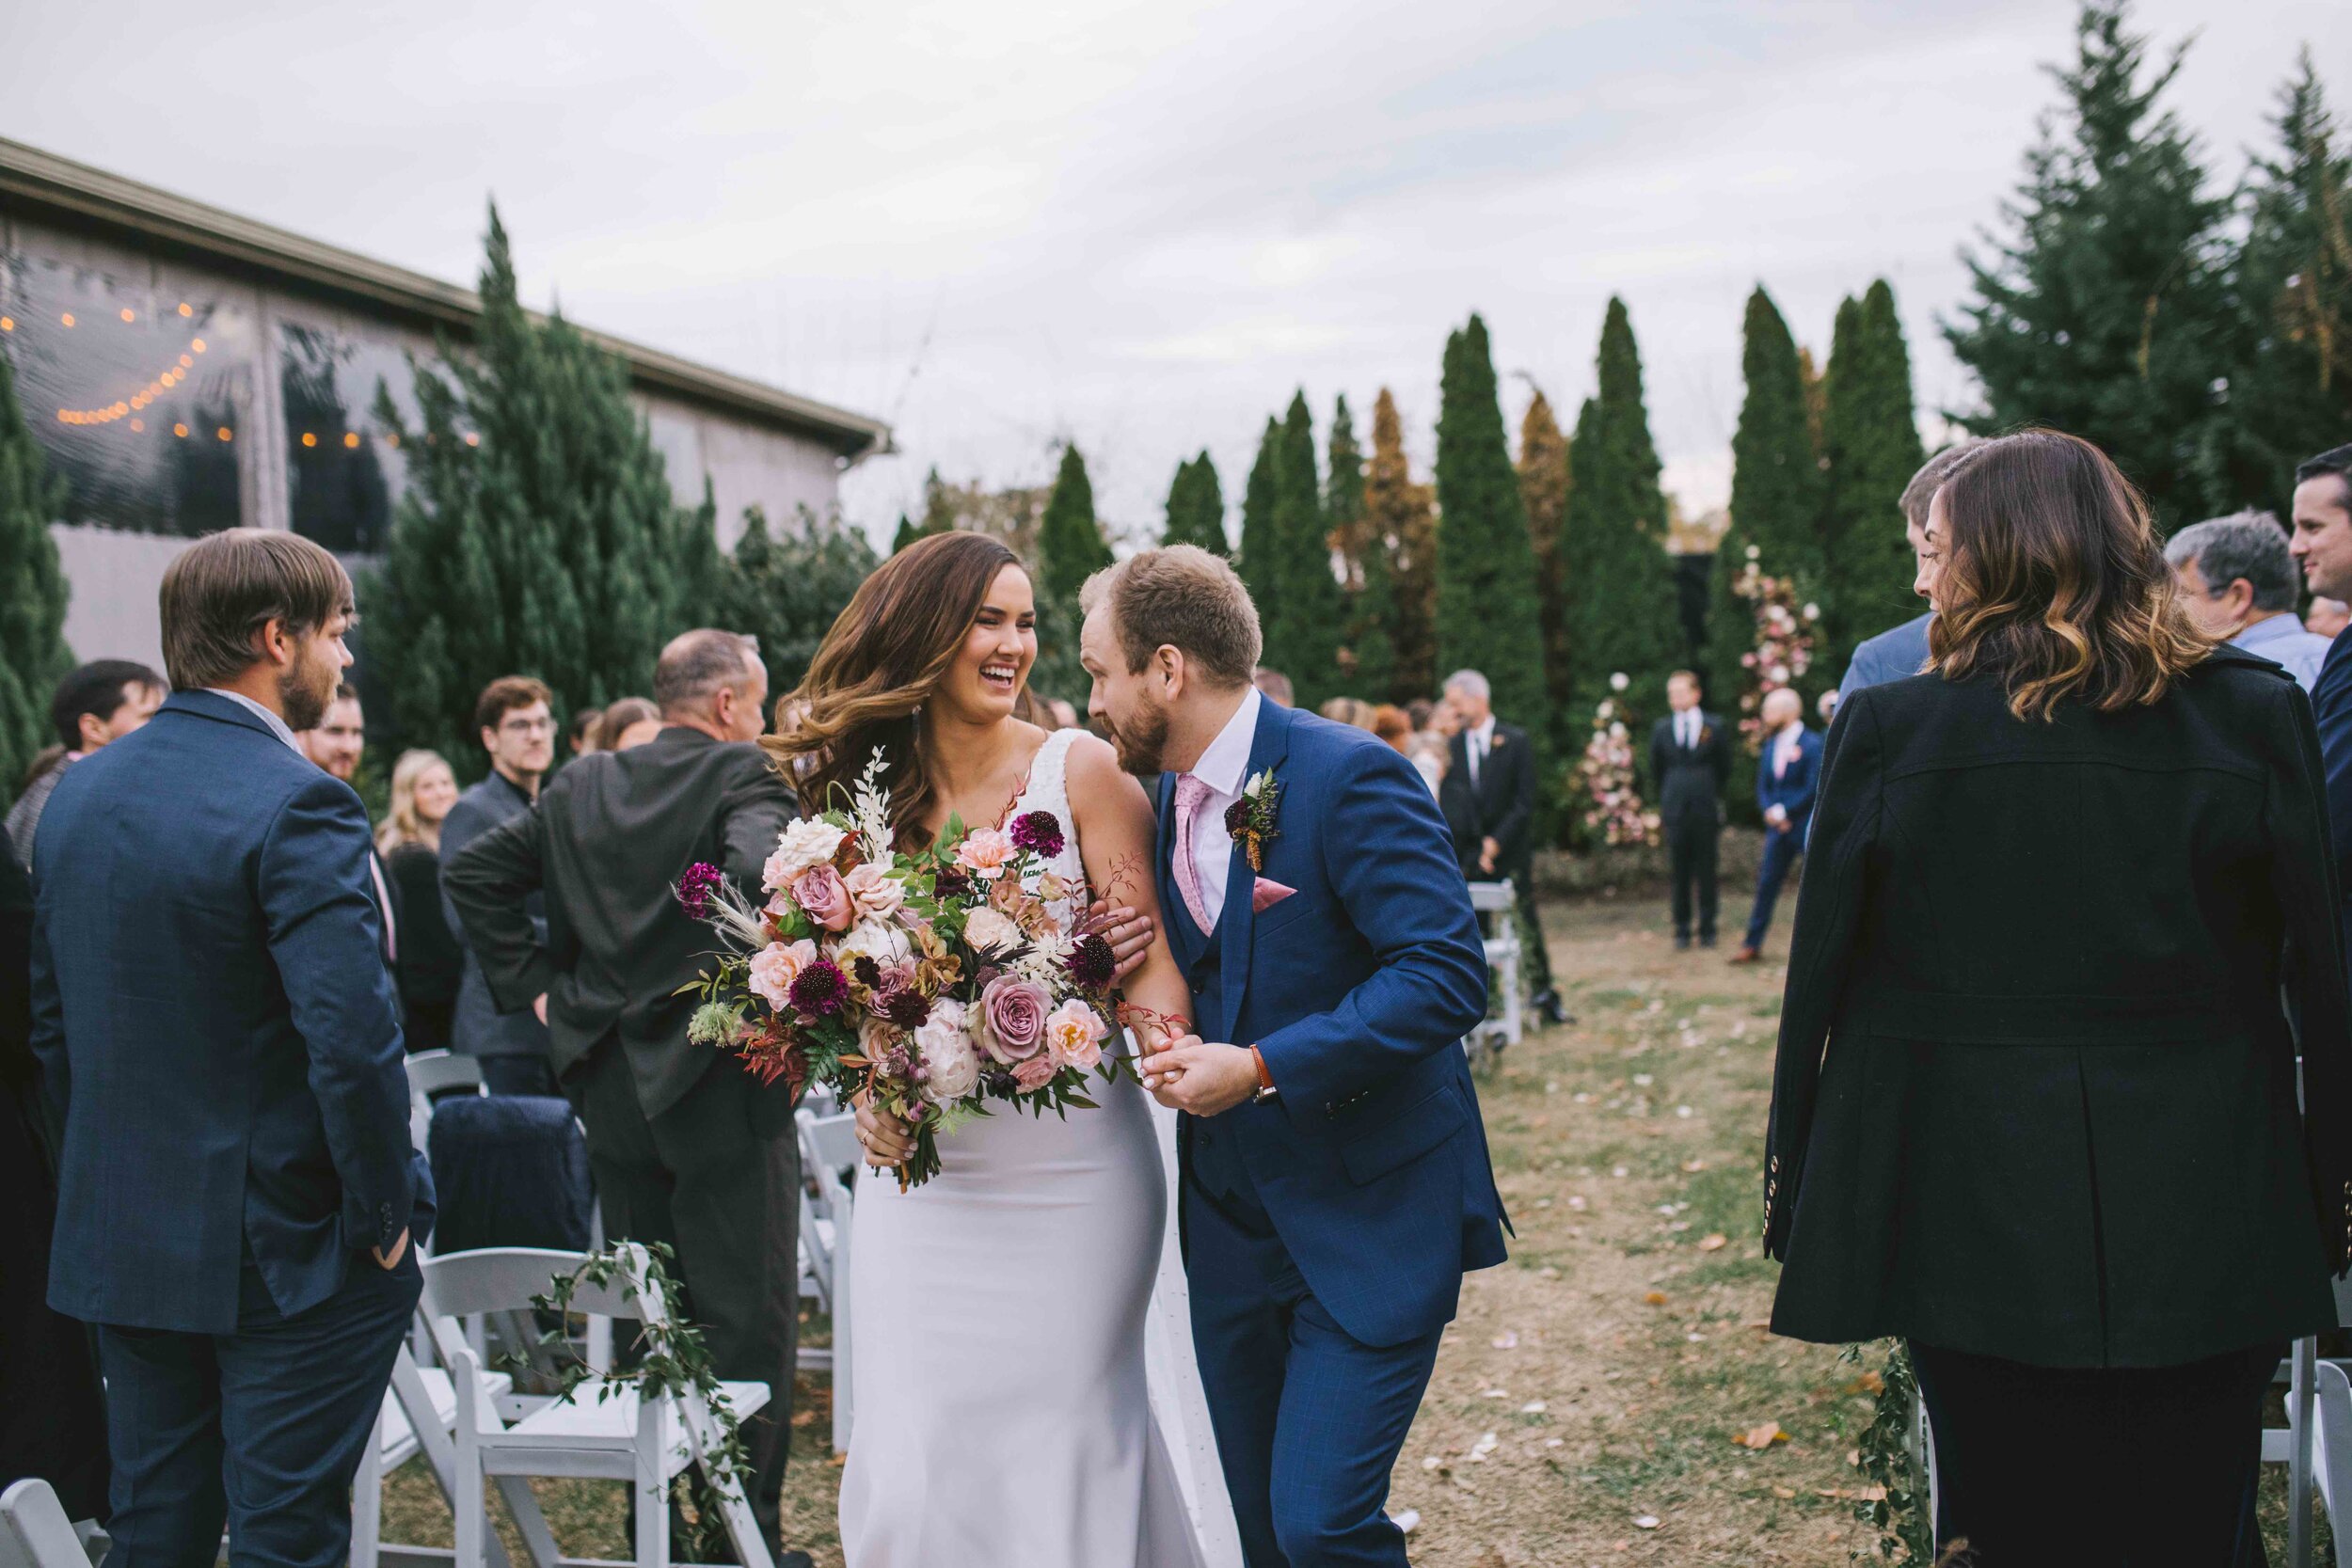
1402,520
1543,469
1303,638
33,655
1872,441
1618,609
1343,489
1489,619
1778,495
1259,556
1195,507
907,533
787,592
2108,313
939,514
538,535
1070,549
1367,658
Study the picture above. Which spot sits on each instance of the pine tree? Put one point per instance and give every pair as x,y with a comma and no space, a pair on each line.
2108,313
939,514
1260,555
1543,470
33,655
1070,549
1488,617
1343,489
1367,656
1303,637
907,533
787,592
1778,495
538,535
1871,437
1619,607
1196,506
2291,394
1401,515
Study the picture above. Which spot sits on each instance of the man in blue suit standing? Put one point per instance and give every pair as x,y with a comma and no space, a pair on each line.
216,1033
1335,1176
1787,777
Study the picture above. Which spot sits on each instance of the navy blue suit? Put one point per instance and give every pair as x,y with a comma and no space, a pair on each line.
2331,706
219,1040
1793,792
1326,1229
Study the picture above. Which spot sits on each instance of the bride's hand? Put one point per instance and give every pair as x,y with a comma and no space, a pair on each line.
1129,932
888,1141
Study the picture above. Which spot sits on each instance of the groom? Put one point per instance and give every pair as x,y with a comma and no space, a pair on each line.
1335,1183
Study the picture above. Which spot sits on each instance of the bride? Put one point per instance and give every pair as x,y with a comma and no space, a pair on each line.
999,1310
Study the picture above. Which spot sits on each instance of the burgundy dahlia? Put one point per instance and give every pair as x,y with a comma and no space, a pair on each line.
950,882
1091,962
1039,833
1237,816
868,972
906,1007
696,889
819,989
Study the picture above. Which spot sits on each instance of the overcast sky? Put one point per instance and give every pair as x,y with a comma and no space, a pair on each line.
1142,225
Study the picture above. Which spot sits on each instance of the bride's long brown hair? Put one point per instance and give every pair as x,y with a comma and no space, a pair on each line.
877,665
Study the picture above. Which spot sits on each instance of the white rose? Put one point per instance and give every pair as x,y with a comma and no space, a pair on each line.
991,931
1617,682
806,843
948,1051
880,941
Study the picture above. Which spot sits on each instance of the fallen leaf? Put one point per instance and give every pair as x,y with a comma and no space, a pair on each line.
1857,1494
1782,1492
1655,1298
1508,1339
1713,1241
1407,1520
1761,1437
1534,1407
1647,1520
1691,1167
1485,1445
1868,1382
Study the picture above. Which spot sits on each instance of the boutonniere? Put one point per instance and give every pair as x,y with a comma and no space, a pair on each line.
1249,821
1496,744
1707,733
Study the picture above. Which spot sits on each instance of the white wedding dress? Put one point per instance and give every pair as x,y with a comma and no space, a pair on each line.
1024,1392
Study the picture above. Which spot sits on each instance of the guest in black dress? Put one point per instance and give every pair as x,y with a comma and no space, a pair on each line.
423,789
2034,1109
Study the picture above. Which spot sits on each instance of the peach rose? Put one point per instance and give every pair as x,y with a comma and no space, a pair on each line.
1073,1034
774,968
875,892
985,853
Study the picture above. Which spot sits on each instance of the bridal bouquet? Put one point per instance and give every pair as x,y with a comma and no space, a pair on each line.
939,981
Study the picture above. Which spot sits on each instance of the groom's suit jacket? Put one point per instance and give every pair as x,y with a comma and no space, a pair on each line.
216,1030
1357,987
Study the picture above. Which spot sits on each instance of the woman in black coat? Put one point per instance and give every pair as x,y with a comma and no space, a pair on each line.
2034,1109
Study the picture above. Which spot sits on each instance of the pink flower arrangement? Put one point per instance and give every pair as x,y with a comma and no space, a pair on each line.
1784,643
1613,806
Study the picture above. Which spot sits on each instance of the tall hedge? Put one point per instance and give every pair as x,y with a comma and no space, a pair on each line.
1487,615
1872,435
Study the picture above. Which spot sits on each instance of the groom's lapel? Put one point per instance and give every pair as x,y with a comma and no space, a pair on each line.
1237,922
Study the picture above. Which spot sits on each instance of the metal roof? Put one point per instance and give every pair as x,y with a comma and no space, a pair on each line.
76,191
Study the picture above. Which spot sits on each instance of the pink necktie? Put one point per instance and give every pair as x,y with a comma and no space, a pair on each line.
1190,793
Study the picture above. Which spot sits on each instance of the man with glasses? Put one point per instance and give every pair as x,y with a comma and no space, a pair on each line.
515,719
2238,583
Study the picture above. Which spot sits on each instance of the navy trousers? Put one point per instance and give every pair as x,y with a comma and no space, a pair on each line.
262,1429
1309,1420
1780,852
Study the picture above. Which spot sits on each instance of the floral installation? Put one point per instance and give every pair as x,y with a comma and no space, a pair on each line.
1249,821
1613,806
1784,643
935,981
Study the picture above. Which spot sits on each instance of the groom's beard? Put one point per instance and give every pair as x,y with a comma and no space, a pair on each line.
1143,739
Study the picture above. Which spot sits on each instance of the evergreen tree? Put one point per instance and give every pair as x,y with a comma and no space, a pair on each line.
1401,517
1543,469
1259,556
788,590
1367,656
33,655
538,535
1303,637
1344,490
907,533
1619,607
1778,496
939,514
1195,507
2291,394
1488,617
1070,549
1871,436
2108,313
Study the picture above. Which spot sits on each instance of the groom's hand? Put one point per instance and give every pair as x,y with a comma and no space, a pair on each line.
1203,1078
1128,931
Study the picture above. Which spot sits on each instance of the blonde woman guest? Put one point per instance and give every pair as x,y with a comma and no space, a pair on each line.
409,839
1352,711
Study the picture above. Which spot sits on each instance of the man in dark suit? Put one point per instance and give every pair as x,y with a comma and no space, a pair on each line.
688,1147
515,718
1488,798
1787,777
1689,758
236,1192
2321,542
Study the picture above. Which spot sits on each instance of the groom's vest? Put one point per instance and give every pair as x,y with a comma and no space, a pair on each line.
1215,1164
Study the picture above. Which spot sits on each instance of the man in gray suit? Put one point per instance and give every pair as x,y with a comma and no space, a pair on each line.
515,718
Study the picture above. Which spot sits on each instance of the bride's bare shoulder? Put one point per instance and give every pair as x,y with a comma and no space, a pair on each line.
1097,783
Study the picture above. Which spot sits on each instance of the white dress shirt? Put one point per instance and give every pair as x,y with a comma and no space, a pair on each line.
1687,728
276,725
1476,744
1224,768
1785,749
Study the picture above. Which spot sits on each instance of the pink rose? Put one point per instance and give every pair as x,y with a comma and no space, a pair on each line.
1035,1073
985,853
774,968
1012,1019
824,898
1074,1035
874,892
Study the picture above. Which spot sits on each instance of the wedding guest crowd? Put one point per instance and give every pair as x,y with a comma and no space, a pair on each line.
2239,585
99,702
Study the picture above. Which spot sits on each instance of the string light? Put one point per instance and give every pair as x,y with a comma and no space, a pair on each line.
139,424
180,430
186,309
309,440
67,318
170,376
8,323
224,432
127,316
351,440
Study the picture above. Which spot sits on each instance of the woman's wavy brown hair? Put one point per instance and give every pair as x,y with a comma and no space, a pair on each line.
2054,581
876,669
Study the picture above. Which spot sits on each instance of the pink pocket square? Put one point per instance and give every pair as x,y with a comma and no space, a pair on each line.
1267,893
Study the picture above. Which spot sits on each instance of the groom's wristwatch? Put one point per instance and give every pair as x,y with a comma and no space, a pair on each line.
1265,1080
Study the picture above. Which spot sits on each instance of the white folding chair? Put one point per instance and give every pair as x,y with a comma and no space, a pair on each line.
603,1430
432,1073
1497,904
420,1416
34,1530
828,1148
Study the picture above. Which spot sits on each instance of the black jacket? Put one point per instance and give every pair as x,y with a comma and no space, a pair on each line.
1688,781
477,1026
1501,806
2035,1091
613,833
